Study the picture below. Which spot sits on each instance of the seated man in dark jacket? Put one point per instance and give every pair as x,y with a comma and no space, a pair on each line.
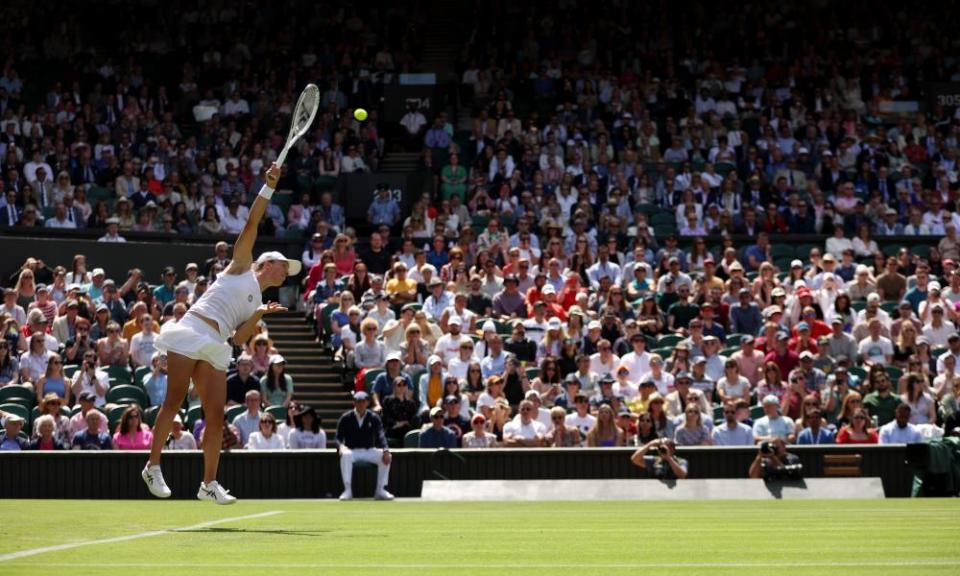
360,438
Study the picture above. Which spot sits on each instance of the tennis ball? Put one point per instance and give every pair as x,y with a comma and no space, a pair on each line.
360,114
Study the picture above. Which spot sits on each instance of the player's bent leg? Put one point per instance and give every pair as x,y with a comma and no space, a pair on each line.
179,369
212,385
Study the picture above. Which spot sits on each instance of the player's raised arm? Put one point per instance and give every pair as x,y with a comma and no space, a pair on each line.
243,248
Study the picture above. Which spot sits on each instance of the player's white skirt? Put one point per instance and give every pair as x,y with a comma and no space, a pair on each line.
194,338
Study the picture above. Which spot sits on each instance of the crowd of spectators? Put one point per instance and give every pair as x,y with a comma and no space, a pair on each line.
167,128
605,241
606,238
79,368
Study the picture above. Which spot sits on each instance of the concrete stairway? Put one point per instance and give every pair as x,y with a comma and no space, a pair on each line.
316,380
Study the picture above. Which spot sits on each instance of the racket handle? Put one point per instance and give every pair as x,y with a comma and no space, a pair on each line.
283,155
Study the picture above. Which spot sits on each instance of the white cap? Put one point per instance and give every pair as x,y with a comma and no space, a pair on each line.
434,359
276,359
274,256
177,419
454,320
548,289
933,286
554,324
594,325
489,326
98,272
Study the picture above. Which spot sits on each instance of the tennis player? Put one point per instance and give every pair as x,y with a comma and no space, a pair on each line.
197,347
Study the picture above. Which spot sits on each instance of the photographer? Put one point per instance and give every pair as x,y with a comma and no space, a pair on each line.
89,379
665,465
773,462
76,347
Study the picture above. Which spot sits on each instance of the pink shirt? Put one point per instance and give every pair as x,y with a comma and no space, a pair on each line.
139,441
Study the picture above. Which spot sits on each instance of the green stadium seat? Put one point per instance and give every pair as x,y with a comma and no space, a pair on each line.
19,410
756,412
234,411
532,372
889,307
69,370
279,412
18,394
138,375
150,415
369,376
782,251
411,439
891,249
734,339
127,394
121,374
894,373
415,376
669,340
921,250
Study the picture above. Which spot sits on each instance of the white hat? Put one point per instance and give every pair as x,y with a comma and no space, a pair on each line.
98,272
434,359
276,359
489,326
274,256
933,286
454,320
549,289
594,325
554,324
395,355
177,419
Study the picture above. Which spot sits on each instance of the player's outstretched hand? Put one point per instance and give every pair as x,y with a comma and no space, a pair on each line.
273,175
270,308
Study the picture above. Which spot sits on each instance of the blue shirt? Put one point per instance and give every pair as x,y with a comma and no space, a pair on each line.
437,138
442,438
384,212
383,384
915,296
164,294
823,436
156,388
491,366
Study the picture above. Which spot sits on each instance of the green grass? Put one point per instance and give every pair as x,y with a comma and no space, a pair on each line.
901,537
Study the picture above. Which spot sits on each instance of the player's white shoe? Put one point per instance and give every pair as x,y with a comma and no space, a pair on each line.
346,495
215,493
382,494
153,478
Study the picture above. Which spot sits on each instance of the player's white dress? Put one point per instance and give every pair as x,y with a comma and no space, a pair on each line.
230,301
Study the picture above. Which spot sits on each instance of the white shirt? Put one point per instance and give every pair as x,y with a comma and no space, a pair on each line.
186,441
529,431
892,433
258,442
663,383
109,238
54,223
639,364
601,269
233,224
584,423
302,439
143,347
448,347
598,366
875,350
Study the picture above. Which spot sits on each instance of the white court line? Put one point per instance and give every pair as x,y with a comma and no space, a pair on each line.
538,566
83,543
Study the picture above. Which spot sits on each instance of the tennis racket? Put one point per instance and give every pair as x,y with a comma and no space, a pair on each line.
303,116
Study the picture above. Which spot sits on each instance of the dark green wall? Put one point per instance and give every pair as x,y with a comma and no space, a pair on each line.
316,474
